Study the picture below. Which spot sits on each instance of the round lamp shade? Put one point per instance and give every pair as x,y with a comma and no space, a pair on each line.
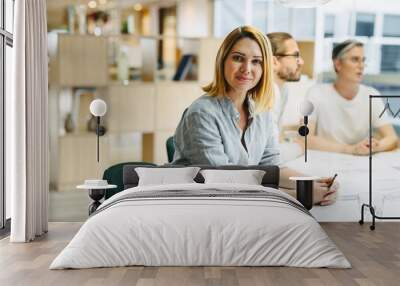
98,107
306,108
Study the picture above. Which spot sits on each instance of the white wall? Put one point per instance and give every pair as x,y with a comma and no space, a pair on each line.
193,18
345,18
373,6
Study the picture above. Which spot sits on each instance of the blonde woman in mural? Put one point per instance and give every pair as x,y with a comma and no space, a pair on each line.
340,121
233,123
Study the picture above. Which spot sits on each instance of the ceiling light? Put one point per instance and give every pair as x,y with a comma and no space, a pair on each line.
138,7
302,3
92,4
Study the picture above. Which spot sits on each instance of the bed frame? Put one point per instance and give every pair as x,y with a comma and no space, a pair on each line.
270,179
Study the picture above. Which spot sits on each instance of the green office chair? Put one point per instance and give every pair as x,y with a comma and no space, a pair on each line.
113,175
170,148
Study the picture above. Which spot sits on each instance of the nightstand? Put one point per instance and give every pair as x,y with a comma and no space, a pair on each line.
96,193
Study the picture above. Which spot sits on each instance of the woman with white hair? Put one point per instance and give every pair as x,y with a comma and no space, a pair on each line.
340,121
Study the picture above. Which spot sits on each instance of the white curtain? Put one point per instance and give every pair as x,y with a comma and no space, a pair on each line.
27,124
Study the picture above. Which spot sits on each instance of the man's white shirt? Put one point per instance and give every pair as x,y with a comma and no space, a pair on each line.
288,150
345,121
281,99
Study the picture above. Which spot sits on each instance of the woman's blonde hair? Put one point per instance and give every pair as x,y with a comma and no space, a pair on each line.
262,93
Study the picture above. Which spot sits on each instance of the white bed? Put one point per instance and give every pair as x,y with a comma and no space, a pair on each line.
353,177
183,230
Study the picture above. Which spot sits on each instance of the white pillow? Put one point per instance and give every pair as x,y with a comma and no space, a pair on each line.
248,177
165,176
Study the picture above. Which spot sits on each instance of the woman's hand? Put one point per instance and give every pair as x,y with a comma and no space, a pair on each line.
323,194
362,147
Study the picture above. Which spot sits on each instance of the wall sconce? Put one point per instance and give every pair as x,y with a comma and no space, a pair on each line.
306,108
98,108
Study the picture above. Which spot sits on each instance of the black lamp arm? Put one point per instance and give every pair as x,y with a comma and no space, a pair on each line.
303,131
305,120
98,135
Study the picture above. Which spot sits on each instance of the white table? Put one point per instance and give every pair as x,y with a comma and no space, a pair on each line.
96,193
353,183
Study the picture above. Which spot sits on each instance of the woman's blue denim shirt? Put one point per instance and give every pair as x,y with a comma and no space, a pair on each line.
208,133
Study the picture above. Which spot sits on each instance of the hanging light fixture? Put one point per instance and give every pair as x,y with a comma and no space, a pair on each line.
302,3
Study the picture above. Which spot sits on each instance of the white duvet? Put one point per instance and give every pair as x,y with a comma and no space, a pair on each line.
183,231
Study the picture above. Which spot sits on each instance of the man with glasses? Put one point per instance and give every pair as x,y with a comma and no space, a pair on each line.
287,68
340,121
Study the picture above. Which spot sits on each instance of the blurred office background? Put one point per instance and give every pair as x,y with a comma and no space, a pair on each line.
149,59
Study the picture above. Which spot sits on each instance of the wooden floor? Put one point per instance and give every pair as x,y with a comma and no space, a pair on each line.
374,255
